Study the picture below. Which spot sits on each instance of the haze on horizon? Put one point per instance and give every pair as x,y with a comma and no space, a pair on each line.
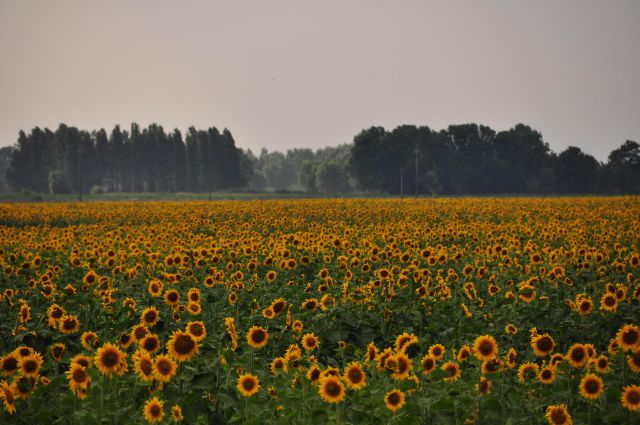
291,74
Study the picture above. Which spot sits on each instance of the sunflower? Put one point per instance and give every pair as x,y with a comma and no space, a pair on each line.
9,364
172,297
403,366
485,348
464,353
150,343
271,276
331,389
193,295
29,366
69,324
279,363
630,397
82,360
403,340
57,351
149,317
197,330
609,302
257,337
278,305
512,357
176,414
311,304
601,364
542,345
628,337
510,329
394,400
633,360
108,359
558,415
577,355
313,373
453,371
248,385
354,376
547,375
78,378
182,346
164,367
268,313
194,308
125,340
143,365
153,410
310,342
89,340
8,396
372,352
428,364
526,371
25,313
591,386
585,306
437,351
484,386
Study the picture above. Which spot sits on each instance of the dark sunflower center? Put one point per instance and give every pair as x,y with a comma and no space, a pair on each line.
79,375
69,324
630,337
315,374
146,366
544,344
578,354
278,307
150,317
602,363
184,344
633,397
155,410
56,314
558,416
30,366
333,389
610,301
10,364
355,375
485,348
394,399
484,387
592,386
173,297
164,367
196,329
452,370
428,364
584,306
110,358
140,333
150,344
546,374
248,384
258,336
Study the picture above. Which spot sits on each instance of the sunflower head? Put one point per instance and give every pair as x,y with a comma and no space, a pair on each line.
153,410
182,346
394,400
485,348
558,415
248,385
331,389
257,337
354,376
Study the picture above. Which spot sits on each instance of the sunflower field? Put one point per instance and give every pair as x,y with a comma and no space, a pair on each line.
349,311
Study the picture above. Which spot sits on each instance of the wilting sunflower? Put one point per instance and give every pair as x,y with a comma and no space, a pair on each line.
633,360
558,415
630,397
492,366
164,368
591,386
57,351
628,337
181,346
154,410
310,342
547,375
150,317
108,359
313,373
354,376
464,353
257,337
278,305
485,348
484,386
8,396
248,385
278,364
577,355
89,340
372,352
394,400
176,414
29,366
332,389
542,345
453,371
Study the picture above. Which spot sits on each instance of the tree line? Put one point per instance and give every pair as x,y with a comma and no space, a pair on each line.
69,160
408,160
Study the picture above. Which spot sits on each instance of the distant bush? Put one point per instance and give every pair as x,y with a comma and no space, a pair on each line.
96,189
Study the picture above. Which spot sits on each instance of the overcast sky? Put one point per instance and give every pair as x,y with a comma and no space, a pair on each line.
283,74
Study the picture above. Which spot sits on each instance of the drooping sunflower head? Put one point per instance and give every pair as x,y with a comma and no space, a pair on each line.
484,386
453,371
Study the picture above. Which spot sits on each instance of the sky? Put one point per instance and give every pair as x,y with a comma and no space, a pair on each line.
285,74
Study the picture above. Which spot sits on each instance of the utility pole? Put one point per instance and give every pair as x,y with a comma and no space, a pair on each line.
401,185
